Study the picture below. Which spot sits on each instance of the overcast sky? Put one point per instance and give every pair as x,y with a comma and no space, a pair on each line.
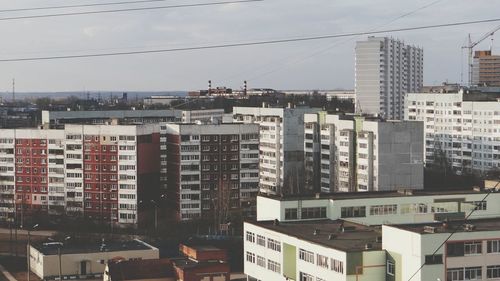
321,64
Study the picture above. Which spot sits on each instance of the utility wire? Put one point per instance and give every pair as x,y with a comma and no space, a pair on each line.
335,44
80,5
254,43
126,10
454,231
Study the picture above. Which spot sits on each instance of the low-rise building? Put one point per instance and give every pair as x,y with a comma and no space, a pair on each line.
453,250
376,208
340,250
196,263
313,251
57,119
84,259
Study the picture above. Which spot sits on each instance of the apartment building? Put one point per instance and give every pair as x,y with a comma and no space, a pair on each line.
313,251
385,70
346,153
212,170
57,119
461,129
486,69
281,151
376,208
99,172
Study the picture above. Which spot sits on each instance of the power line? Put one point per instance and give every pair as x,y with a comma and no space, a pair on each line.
323,50
454,231
127,10
254,43
80,5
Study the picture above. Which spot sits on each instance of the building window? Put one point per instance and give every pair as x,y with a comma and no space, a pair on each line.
306,255
433,259
261,240
455,274
250,257
493,271
494,246
261,261
306,277
379,210
250,236
353,212
337,266
274,245
473,248
455,249
473,273
321,261
391,268
273,266
313,213
290,214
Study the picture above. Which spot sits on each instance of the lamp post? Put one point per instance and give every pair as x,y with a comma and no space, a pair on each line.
156,214
28,252
60,244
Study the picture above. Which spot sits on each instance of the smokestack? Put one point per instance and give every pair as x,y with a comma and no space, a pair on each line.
209,87
245,87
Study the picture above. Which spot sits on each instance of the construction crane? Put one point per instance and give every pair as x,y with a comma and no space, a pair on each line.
471,46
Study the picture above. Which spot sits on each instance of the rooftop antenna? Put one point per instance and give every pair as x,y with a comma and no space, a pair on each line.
13,90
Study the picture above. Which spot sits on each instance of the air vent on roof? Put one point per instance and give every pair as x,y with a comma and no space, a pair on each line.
331,236
316,231
469,227
430,229
368,246
276,222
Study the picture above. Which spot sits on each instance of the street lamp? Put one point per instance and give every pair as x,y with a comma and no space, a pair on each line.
156,214
60,244
28,252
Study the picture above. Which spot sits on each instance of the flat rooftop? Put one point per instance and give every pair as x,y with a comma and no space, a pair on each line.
80,246
374,194
354,238
449,227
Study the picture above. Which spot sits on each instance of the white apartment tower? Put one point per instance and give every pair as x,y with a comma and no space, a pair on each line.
461,129
281,149
346,153
385,70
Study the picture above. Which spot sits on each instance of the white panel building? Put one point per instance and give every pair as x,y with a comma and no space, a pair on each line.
375,208
345,153
385,70
281,145
461,129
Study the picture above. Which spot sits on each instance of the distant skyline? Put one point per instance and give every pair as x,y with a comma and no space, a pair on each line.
322,64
